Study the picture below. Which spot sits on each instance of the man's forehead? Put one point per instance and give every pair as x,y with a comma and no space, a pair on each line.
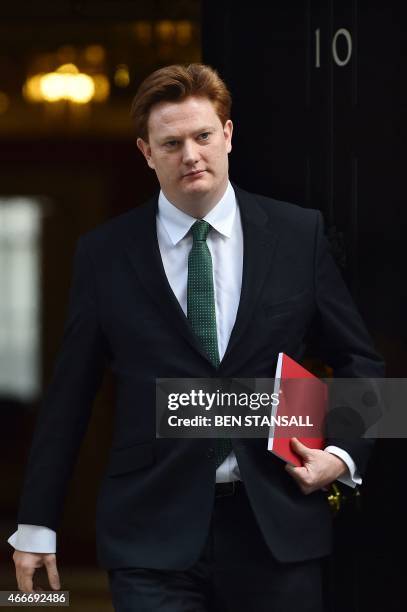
191,114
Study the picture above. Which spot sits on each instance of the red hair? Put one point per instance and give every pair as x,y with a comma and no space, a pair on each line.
175,83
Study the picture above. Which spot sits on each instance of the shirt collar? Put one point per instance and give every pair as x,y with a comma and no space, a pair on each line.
177,223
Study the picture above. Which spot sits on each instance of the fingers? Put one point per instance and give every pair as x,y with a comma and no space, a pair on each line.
26,564
302,477
50,562
25,582
319,470
300,448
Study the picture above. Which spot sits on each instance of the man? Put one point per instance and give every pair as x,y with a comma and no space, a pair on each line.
205,280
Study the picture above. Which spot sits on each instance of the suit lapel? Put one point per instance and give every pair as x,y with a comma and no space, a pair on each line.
144,254
258,251
259,243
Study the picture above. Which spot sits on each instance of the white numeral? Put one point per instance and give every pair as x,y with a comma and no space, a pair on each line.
338,61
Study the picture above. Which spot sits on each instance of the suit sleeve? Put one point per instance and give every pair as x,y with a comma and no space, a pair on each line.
66,409
340,337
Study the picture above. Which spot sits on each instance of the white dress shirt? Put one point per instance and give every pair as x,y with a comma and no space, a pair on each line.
225,243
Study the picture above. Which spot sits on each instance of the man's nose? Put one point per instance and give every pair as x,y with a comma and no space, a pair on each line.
190,153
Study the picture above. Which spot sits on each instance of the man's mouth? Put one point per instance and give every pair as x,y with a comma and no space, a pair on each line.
194,173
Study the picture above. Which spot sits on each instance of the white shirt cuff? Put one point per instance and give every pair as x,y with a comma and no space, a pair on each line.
34,538
352,478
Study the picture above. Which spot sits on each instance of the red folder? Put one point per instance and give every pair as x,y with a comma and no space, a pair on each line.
303,399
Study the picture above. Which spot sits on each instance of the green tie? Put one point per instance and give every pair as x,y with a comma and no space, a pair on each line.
201,307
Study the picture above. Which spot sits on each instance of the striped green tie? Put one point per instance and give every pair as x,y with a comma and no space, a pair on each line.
201,307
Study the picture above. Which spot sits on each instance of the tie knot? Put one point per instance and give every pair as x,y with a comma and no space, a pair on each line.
200,230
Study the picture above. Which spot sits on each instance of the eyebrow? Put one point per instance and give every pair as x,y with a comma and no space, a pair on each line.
202,130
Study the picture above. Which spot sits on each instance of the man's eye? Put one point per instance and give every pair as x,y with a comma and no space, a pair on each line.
171,143
204,135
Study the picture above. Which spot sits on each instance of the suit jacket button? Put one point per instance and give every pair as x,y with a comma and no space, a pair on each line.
210,453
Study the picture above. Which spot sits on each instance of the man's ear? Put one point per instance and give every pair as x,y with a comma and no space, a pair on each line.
227,131
146,151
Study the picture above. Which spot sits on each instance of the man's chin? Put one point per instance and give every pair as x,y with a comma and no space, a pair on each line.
198,186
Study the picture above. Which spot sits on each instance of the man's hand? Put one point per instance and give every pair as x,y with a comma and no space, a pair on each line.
319,469
26,563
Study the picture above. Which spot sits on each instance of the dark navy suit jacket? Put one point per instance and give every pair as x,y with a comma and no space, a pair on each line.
156,497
